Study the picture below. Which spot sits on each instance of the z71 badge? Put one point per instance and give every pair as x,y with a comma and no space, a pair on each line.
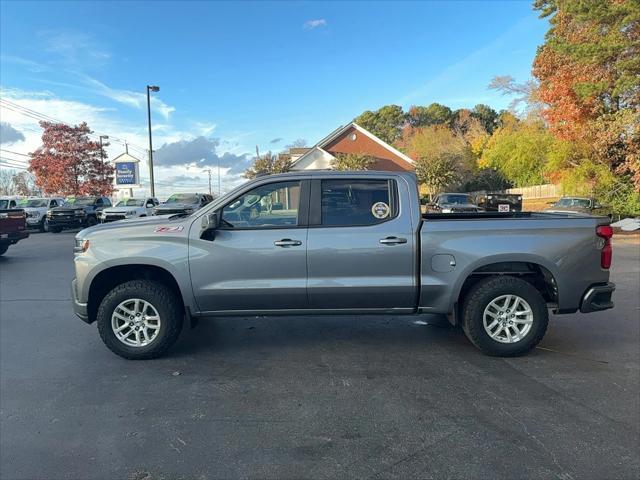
166,229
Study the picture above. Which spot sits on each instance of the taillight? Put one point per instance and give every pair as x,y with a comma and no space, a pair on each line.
606,254
16,214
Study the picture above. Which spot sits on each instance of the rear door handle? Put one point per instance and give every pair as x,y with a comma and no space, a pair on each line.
287,242
392,240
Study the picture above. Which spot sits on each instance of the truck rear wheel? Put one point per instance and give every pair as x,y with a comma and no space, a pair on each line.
140,319
504,316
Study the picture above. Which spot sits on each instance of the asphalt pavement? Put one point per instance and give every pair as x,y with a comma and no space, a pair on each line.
311,397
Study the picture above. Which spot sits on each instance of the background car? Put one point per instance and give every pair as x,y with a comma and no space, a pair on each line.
129,208
499,201
78,212
36,210
579,205
183,203
453,203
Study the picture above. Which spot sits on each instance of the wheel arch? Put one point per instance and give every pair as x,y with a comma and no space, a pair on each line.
105,280
535,270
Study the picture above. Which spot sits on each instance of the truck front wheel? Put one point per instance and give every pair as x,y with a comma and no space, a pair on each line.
140,319
504,316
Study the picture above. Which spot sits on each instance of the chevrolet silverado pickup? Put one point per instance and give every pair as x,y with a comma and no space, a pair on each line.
319,242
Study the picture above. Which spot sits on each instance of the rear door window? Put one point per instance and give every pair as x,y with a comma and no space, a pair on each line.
347,202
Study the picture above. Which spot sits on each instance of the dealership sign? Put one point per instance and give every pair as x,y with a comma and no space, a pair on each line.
127,171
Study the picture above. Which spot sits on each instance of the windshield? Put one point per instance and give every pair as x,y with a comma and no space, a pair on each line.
182,198
79,202
574,202
131,202
456,199
34,203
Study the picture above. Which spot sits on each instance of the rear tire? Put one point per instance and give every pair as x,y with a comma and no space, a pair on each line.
164,304
504,316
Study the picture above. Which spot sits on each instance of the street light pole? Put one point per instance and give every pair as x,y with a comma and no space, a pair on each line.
151,88
106,137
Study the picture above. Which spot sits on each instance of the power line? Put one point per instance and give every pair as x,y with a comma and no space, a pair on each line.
34,114
15,153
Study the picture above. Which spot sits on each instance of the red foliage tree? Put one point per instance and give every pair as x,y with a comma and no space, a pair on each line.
69,163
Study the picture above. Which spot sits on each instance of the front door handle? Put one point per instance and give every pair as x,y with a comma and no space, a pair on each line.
392,240
287,242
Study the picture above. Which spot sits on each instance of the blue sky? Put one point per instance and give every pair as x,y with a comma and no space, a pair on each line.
237,75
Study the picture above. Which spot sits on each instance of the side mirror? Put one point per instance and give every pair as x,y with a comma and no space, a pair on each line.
211,221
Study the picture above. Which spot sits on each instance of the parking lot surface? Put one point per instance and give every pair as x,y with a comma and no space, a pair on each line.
311,397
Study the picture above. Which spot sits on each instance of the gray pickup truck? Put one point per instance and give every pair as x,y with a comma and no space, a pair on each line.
339,243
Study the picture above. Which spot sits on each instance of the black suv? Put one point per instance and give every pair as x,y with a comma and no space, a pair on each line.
78,212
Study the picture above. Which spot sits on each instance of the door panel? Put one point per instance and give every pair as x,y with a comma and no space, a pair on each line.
364,266
257,259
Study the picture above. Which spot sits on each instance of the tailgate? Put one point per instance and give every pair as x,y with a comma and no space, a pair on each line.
11,221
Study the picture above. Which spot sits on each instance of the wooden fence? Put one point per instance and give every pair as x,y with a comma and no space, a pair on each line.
548,190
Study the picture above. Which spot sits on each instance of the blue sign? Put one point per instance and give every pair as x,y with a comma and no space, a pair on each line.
126,173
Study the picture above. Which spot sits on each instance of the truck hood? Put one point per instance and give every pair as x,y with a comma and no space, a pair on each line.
122,209
570,210
176,206
121,227
35,209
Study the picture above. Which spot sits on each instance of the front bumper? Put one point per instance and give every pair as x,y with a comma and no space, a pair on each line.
597,297
68,222
80,309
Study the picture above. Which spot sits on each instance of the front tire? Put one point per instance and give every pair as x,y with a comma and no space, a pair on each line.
55,229
140,319
44,225
504,316
3,249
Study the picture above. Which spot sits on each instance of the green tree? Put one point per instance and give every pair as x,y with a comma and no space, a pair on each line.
268,164
443,159
487,117
385,123
434,114
520,152
352,161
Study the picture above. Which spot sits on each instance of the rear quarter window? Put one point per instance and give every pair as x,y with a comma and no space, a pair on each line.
358,202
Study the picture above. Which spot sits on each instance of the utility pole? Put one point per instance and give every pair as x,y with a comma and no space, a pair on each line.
151,88
106,137
208,170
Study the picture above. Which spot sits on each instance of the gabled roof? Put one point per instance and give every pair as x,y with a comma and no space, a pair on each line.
125,157
341,130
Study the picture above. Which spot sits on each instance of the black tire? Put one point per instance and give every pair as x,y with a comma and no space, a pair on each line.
55,229
44,225
163,300
487,290
91,221
3,249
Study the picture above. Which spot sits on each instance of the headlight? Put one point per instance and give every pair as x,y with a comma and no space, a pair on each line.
79,213
49,213
81,246
446,210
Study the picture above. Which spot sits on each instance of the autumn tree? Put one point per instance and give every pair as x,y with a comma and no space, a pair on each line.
443,159
268,164
385,123
589,75
352,161
69,163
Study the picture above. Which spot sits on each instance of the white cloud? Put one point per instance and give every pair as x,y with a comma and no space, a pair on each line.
128,97
74,48
318,22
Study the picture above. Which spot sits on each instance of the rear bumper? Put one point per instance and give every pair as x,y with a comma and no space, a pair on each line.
80,309
13,237
597,297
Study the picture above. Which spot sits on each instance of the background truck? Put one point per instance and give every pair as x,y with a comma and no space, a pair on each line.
129,208
36,210
13,226
341,243
77,212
